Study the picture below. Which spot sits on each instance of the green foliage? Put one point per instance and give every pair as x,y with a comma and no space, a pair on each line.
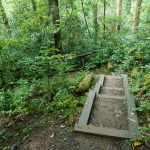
27,98
95,61
14,102
144,108
82,100
63,103
33,78
141,87
29,68
44,96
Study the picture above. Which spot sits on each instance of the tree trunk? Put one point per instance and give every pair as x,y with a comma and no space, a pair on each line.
33,5
137,16
104,26
39,37
118,13
82,4
56,22
4,18
95,10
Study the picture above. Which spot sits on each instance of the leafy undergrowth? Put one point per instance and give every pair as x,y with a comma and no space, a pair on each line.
44,88
23,105
28,100
140,81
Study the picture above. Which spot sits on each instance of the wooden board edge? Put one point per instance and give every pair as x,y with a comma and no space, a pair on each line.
99,84
102,77
83,120
132,116
106,131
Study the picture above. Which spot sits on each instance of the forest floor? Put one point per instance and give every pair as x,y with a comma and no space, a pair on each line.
58,134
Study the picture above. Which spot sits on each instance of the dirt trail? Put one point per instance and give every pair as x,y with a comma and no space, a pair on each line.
106,112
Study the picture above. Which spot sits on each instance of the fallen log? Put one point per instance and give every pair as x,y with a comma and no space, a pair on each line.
84,55
84,84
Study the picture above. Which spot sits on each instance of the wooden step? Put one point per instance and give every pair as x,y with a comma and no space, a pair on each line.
116,82
113,77
111,96
106,108
114,91
113,88
106,131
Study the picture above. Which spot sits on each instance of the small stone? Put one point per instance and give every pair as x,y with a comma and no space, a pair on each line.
116,111
132,113
119,111
14,147
51,136
62,126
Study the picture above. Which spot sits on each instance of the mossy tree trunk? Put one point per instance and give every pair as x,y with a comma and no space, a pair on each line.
56,22
95,11
137,15
118,14
104,25
5,19
85,19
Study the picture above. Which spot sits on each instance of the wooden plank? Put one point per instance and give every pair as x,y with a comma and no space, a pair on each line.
105,131
99,83
132,116
83,120
113,88
83,55
111,97
114,77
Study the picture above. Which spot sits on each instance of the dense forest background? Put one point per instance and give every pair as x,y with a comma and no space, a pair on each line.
42,41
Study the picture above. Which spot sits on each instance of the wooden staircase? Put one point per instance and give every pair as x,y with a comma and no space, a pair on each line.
109,109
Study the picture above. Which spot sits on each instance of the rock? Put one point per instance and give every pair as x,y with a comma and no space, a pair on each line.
62,126
51,136
119,111
14,147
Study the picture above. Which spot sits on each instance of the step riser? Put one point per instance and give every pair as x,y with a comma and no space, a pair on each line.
111,97
112,92
113,83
